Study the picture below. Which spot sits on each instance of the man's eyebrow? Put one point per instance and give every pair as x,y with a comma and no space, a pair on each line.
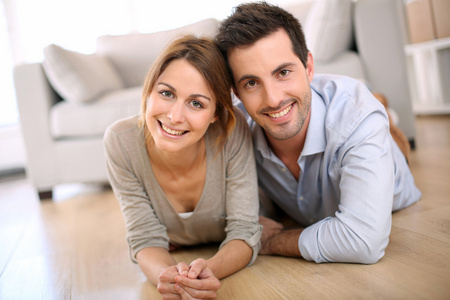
281,67
278,69
245,77
192,95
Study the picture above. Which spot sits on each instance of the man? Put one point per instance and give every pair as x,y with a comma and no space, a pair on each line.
322,144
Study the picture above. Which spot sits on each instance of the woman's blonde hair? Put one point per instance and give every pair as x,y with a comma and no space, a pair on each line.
202,54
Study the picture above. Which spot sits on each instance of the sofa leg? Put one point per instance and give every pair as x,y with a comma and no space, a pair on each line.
45,195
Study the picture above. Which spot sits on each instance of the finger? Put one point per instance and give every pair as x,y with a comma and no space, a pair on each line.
183,293
190,293
168,291
196,267
209,283
183,269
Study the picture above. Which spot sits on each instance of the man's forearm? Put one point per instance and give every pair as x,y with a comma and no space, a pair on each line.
285,243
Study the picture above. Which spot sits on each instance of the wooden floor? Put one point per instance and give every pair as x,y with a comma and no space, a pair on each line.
74,247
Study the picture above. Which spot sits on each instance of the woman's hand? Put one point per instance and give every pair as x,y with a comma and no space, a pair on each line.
167,280
200,282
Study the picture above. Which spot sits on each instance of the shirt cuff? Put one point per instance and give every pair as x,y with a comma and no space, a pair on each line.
308,243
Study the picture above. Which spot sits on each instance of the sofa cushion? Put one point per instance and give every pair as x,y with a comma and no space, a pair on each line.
133,54
78,77
328,28
346,63
68,120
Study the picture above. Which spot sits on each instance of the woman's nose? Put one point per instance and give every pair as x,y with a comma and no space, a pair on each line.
176,112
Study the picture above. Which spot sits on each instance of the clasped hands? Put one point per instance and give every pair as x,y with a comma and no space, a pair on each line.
195,281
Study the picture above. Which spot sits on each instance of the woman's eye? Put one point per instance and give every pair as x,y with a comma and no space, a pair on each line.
250,83
196,104
167,94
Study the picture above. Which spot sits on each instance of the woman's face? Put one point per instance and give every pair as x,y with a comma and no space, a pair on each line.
180,107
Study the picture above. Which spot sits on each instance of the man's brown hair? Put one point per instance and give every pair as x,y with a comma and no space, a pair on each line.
251,22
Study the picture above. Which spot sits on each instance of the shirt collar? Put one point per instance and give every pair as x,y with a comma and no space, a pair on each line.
315,137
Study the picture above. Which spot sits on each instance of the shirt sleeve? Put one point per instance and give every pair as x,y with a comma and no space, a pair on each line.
143,227
359,231
242,205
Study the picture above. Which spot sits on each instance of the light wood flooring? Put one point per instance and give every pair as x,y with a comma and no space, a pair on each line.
74,247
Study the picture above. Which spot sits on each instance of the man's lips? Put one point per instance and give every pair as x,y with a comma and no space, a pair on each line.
281,113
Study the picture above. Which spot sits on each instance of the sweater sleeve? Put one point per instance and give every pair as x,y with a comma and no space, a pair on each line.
142,225
242,204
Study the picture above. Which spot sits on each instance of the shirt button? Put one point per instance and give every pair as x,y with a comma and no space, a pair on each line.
283,169
300,198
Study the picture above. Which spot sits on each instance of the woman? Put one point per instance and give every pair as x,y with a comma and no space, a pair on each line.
182,175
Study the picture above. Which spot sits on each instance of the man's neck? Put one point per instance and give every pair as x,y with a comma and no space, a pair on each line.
289,150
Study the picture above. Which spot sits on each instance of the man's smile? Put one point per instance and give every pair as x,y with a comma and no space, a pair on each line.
281,113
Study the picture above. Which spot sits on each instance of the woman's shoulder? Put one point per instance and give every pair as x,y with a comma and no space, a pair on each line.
241,128
123,129
125,124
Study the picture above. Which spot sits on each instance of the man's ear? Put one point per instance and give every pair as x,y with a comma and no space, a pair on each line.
236,92
310,67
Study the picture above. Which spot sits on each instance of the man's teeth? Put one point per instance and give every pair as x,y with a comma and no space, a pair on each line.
171,131
281,113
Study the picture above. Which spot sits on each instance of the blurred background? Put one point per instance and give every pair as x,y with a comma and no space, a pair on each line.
27,26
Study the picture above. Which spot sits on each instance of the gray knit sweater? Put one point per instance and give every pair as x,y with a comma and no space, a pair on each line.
227,209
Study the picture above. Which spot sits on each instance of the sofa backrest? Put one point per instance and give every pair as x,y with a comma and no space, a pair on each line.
133,54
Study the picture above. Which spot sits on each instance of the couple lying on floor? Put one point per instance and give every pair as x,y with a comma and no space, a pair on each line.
186,169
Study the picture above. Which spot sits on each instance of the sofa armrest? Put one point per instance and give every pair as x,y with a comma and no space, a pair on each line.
35,97
380,37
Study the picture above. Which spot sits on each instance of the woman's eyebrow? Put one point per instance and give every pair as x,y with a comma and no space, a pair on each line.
192,95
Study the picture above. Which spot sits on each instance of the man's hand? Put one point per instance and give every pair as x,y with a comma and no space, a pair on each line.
271,229
200,282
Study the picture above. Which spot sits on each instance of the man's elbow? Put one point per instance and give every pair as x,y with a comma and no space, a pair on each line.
370,252
370,257
361,252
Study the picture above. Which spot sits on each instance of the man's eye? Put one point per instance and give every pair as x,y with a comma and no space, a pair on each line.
167,94
196,104
284,73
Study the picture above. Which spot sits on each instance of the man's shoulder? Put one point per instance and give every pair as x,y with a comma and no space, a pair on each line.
348,102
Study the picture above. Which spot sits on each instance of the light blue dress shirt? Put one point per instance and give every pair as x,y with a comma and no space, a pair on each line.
353,175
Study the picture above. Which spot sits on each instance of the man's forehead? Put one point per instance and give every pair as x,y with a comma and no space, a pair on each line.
268,53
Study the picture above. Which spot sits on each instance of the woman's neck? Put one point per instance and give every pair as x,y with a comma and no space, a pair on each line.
179,162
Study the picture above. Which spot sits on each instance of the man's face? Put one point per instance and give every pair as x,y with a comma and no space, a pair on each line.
273,84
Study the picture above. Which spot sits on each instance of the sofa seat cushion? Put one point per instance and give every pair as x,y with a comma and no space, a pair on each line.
133,54
68,120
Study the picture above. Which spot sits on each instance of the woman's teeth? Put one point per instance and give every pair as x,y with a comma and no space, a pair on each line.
171,131
281,113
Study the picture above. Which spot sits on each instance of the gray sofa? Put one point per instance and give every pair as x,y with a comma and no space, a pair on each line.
65,106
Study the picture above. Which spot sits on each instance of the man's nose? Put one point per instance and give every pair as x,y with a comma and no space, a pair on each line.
273,95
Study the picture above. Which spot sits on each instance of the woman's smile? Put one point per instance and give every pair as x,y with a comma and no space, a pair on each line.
172,131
